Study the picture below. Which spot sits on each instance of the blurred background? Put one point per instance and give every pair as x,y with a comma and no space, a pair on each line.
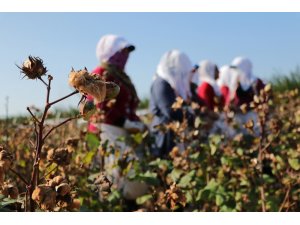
66,40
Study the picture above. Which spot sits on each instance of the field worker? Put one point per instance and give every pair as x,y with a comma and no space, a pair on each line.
118,118
194,82
170,81
208,91
248,84
227,82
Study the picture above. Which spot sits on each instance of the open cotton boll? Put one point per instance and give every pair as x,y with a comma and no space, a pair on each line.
33,68
89,84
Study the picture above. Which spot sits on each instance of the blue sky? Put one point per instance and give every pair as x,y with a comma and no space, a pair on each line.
63,40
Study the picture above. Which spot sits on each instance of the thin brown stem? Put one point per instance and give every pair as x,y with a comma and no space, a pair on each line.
262,197
33,116
19,175
26,201
286,197
40,138
41,79
67,96
60,124
39,144
48,89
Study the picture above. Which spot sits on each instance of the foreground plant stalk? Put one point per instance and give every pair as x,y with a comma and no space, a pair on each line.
40,140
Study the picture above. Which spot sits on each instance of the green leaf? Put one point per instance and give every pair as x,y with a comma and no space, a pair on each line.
2,196
197,122
213,149
92,177
141,200
176,174
214,142
185,181
212,185
244,182
195,156
240,151
225,208
89,157
92,141
294,163
148,177
138,138
8,201
203,194
160,163
225,160
268,179
219,200
22,163
114,196
121,139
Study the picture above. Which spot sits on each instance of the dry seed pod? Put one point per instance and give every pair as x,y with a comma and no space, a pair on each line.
63,189
87,109
61,156
45,196
178,103
5,159
112,90
175,196
75,205
103,183
13,192
243,108
57,181
174,153
10,190
39,193
256,99
249,124
87,84
72,142
33,67
49,201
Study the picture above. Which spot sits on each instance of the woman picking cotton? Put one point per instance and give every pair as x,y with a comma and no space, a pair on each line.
227,82
118,117
208,91
170,82
248,86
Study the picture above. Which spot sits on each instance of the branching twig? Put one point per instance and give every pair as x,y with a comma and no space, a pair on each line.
285,199
33,116
41,79
26,201
67,96
48,88
60,124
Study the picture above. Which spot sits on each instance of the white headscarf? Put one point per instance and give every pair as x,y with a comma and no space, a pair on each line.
175,68
108,45
246,77
228,77
207,74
